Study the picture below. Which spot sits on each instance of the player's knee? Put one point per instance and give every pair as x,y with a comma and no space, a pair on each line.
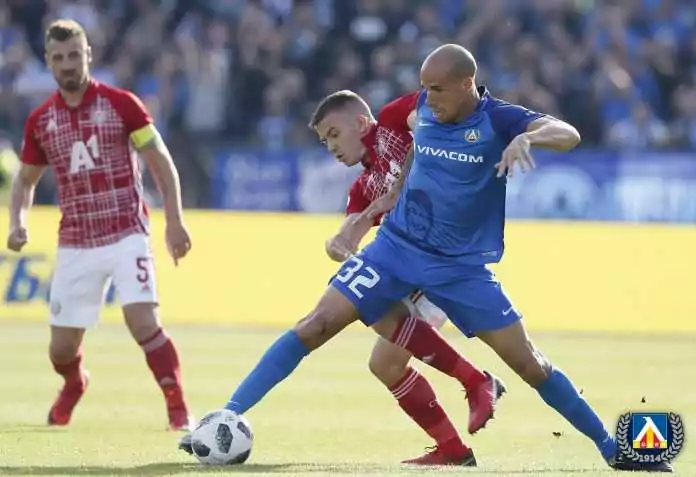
333,313
316,329
390,322
517,350
534,368
142,320
65,344
63,351
312,330
388,368
388,374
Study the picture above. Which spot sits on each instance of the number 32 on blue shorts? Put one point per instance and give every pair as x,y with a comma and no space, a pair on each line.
371,288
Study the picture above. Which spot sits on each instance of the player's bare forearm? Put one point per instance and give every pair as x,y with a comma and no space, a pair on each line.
160,163
22,193
355,227
21,198
346,241
408,162
552,133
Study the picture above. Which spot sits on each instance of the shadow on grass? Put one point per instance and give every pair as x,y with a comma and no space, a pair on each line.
181,468
140,470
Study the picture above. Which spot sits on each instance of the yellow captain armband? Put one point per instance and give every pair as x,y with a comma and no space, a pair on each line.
144,135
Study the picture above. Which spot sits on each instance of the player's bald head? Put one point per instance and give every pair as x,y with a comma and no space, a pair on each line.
450,60
448,75
344,100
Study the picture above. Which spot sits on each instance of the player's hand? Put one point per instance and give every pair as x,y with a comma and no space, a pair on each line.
382,205
340,249
17,239
517,152
178,240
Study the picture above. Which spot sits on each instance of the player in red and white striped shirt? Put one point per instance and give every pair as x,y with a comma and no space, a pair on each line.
91,135
345,124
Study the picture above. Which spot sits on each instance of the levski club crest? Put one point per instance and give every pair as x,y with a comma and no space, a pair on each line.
649,437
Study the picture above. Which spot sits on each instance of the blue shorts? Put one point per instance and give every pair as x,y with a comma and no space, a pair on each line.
384,273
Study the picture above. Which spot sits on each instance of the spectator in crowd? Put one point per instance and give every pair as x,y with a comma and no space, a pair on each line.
249,71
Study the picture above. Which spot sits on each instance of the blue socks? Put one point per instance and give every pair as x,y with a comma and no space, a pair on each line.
559,393
275,365
281,359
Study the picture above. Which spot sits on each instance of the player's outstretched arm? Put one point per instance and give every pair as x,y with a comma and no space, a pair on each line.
21,199
546,132
551,133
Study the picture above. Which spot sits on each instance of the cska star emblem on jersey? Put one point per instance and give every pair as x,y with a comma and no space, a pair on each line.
52,125
472,135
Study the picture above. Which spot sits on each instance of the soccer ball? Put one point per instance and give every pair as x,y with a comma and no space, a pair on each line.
222,438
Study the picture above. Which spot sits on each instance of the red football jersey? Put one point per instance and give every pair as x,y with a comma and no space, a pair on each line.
91,150
387,144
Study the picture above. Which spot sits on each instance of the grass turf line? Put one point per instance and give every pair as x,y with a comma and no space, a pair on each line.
331,417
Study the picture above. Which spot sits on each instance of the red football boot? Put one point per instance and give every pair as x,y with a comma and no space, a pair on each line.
482,400
440,456
61,411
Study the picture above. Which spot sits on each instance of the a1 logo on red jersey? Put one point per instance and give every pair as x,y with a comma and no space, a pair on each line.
83,154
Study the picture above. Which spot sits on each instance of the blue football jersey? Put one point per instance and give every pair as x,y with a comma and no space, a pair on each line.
452,204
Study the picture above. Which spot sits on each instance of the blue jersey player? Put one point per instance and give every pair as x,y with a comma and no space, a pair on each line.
446,227
448,220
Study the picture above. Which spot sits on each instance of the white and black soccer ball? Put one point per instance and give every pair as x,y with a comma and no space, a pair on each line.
222,438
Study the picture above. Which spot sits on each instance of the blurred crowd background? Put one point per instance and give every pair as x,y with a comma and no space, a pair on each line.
220,72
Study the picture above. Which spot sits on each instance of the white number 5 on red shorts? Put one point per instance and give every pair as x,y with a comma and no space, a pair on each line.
82,277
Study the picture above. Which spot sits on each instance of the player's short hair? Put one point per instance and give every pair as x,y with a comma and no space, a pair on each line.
334,102
63,30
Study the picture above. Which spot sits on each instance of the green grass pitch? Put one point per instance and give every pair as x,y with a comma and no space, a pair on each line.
332,417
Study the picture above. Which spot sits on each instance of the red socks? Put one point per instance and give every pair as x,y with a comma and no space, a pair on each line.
417,398
428,345
163,360
72,371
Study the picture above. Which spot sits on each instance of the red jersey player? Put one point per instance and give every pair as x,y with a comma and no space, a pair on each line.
91,134
344,123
